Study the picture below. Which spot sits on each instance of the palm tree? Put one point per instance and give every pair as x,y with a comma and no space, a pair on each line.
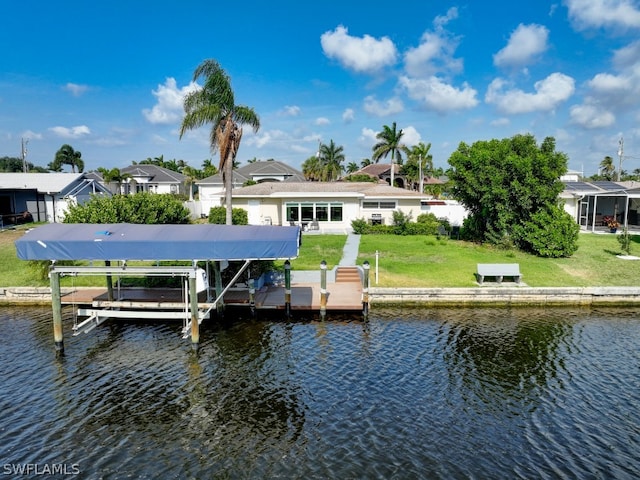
365,162
389,143
214,103
424,161
208,168
67,156
607,167
331,157
312,169
113,176
352,167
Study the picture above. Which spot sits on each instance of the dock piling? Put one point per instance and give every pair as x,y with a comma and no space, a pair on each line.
287,288
365,289
56,304
323,289
193,307
252,296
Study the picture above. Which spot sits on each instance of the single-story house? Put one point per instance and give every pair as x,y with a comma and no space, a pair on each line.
44,197
327,206
589,202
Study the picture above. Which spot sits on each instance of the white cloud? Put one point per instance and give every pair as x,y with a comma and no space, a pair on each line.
322,121
435,52
30,135
525,43
590,116
75,89
411,136
72,133
381,109
437,95
365,54
290,111
170,99
368,137
549,93
348,115
586,14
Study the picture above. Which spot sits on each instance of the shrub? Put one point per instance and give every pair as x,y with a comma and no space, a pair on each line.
624,239
360,226
218,216
140,208
551,232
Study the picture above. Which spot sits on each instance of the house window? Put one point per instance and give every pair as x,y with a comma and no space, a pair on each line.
375,205
322,212
308,211
336,212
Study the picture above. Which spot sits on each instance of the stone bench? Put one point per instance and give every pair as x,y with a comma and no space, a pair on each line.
498,271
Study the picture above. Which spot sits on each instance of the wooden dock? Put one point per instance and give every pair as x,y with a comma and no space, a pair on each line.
343,296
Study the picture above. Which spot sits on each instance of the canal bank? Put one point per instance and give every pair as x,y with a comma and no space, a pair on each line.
505,295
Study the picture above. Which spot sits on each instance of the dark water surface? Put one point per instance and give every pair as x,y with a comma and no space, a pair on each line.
413,393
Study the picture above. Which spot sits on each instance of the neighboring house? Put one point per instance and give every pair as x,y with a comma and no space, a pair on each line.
45,196
589,202
211,189
153,179
332,205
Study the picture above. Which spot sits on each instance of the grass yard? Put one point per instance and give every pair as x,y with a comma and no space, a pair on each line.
316,248
414,261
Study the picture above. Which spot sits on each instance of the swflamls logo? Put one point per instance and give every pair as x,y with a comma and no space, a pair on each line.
40,469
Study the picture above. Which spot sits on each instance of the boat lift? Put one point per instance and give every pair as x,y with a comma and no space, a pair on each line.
127,242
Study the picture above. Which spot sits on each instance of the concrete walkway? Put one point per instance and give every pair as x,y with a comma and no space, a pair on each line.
349,257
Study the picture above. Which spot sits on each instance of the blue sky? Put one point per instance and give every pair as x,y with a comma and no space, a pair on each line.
108,78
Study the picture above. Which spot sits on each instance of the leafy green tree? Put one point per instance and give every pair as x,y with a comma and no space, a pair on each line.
508,186
13,164
214,104
142,208
390,142
208,168
360,177
66,155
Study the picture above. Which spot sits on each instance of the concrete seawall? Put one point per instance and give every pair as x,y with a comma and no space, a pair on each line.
450,297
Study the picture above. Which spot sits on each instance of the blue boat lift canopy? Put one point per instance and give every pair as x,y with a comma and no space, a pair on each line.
123,241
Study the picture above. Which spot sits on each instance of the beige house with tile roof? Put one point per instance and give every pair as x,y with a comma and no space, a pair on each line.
329,206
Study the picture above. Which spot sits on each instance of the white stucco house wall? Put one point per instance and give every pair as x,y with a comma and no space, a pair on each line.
333,205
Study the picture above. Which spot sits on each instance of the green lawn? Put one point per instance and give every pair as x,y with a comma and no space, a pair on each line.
415,261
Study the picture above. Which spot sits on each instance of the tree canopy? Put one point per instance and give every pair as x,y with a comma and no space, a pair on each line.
511,188
66,155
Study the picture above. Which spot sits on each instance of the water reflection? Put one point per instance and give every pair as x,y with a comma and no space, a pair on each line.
455,393
509,357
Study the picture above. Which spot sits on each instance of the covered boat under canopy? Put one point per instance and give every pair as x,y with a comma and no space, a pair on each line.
123,241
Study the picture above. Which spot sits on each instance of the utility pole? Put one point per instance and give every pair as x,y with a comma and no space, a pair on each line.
25,169
620,155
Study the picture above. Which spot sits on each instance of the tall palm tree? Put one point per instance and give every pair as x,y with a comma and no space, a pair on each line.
331,157
420,154
214,104
66,155
390,142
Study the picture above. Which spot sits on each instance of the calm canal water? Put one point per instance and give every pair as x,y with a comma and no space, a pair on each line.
412,394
